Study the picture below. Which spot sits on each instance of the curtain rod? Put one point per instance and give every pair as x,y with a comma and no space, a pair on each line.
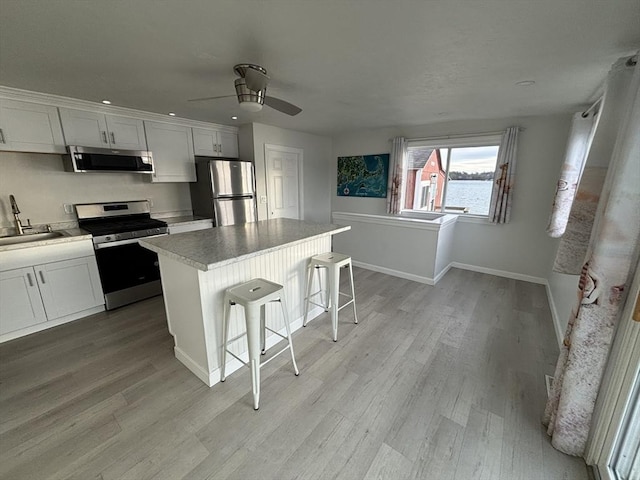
461,135
595,104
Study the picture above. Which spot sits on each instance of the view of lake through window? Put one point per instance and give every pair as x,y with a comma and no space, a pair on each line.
460,178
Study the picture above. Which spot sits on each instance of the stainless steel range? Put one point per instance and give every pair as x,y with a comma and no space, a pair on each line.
128,271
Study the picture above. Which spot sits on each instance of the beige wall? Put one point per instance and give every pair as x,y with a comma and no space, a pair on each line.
521,247
316,165
41,187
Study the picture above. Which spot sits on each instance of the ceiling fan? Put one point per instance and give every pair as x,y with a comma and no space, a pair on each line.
251,90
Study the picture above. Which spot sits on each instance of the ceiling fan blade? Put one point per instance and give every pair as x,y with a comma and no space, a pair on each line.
256,80
209,98
282,106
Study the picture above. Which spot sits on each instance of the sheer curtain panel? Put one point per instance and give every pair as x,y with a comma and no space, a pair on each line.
580,138
501,196
396,174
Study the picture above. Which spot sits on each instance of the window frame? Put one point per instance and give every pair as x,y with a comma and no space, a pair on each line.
457,141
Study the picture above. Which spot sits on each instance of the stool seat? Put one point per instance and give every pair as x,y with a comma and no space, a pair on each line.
254,291
253,296
333,262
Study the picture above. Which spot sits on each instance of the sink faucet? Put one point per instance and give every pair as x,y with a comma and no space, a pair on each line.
16,215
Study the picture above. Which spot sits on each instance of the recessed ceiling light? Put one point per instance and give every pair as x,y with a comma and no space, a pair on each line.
106,102
171,114
525,83
234,118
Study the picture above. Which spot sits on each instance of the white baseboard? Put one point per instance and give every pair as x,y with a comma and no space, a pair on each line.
441,274
50,324
233,364
554,316
395,273
500,273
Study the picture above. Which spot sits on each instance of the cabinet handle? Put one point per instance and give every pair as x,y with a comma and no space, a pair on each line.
219,148
113,138
2,136
104,137
42,276
29,279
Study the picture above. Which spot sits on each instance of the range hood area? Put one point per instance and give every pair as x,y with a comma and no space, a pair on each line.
95,160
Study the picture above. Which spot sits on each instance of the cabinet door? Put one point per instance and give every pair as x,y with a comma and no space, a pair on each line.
69,286
205,142
84,128
21,305
30,127
125,132
228,144
172,150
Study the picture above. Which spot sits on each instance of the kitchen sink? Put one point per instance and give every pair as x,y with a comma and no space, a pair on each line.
30,237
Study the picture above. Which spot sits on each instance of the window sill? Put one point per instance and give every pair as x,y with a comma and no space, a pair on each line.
442,221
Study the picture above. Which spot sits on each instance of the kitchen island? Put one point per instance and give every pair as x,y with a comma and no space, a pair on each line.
197,267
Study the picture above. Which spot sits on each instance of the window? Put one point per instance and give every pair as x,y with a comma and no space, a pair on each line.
451,175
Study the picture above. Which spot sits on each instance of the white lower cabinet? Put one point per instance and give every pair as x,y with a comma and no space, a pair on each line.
20,302
69,286
37,294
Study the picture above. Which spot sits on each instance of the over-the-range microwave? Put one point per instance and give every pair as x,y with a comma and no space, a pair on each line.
89,159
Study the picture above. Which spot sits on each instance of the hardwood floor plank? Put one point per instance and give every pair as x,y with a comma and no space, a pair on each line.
435,382
389,463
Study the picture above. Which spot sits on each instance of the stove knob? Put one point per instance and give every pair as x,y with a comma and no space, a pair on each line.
108,239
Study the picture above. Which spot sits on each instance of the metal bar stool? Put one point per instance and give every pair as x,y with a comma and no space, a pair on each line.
253,296
333,262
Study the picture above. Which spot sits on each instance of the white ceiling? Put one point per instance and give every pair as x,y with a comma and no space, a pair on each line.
348,64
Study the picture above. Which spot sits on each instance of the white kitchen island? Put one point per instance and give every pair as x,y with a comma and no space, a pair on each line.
196,268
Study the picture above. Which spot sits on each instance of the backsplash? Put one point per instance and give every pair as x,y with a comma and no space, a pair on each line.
42,187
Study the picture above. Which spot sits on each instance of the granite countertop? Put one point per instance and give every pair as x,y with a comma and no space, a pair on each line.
69,235
214,247
184,220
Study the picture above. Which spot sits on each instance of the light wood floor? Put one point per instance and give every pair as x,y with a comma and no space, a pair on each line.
442,382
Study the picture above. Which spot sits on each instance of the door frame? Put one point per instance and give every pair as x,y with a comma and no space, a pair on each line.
286,149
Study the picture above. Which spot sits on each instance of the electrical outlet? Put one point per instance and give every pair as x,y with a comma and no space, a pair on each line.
68,208
263,199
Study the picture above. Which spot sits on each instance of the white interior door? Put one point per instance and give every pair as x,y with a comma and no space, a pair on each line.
284,171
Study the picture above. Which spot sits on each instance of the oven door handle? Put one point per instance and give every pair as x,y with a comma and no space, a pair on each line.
128,241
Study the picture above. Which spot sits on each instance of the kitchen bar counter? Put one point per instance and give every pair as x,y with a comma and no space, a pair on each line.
196,268
215,247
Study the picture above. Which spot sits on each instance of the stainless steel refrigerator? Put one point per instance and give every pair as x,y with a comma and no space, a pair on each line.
224,191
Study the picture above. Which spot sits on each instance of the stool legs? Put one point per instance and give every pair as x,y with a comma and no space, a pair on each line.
353,294
285,314
307,293
225,332
253,339
334,284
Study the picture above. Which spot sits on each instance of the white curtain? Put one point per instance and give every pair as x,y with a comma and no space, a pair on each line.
501,196
574,242
580,138
396,172
603,288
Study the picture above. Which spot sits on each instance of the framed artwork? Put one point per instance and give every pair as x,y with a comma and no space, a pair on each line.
363,176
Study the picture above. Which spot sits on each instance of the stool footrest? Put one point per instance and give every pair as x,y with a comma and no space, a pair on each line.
276,333
348,303
262,364
237,358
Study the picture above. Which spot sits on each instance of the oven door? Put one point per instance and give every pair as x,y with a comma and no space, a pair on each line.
128,272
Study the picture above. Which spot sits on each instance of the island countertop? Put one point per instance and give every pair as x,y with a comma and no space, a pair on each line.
214,247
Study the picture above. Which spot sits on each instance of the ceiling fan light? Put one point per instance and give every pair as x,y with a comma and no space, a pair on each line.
251,106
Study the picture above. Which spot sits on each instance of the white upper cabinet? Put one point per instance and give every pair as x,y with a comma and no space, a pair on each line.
127,133
172,150
215,143
30,127
93,129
